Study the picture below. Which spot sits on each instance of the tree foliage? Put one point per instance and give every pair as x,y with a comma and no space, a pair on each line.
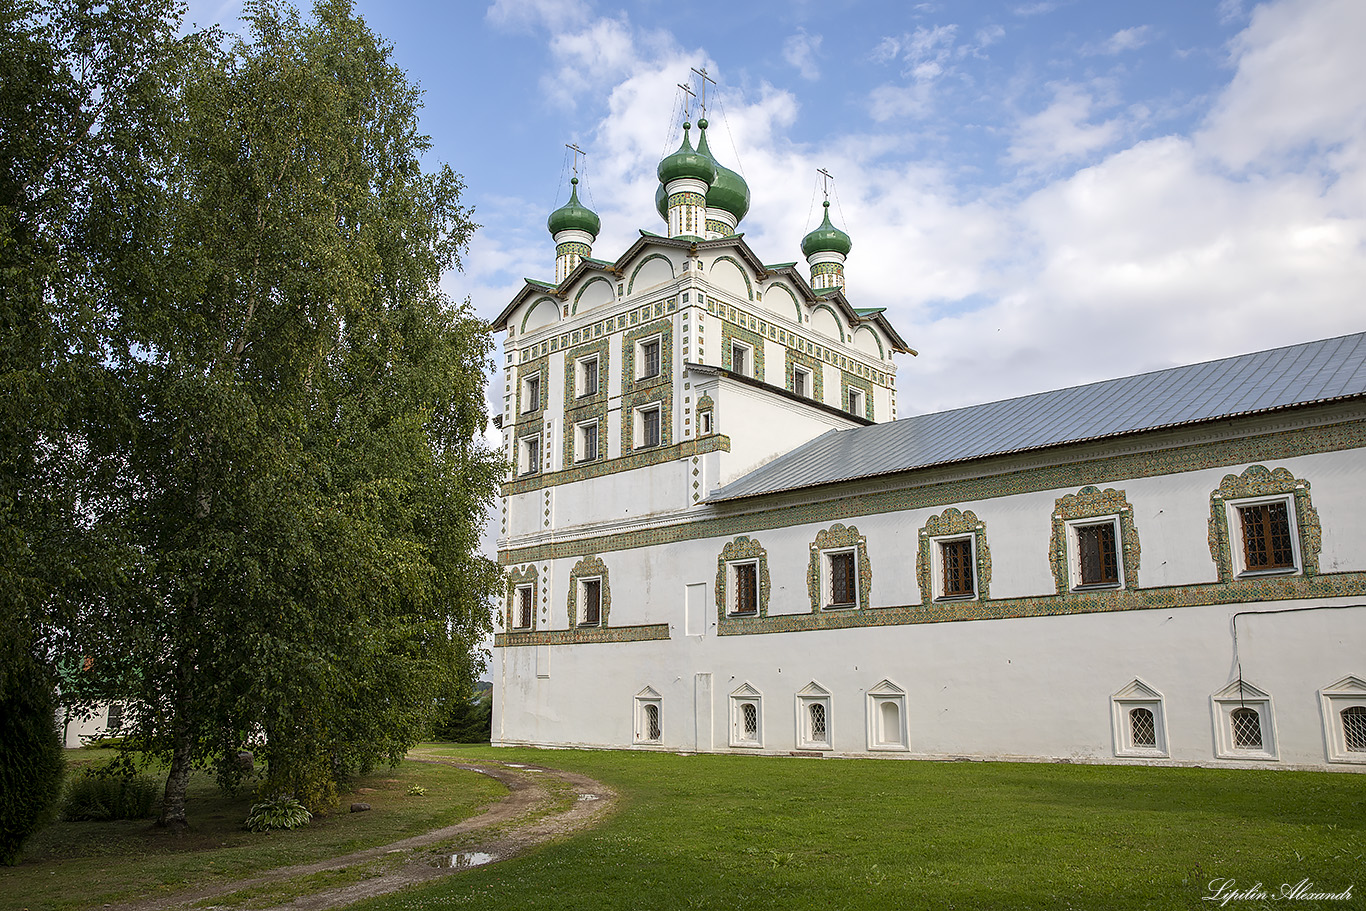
293,477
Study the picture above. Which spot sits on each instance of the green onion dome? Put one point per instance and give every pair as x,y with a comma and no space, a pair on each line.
827,238
573,214
662,202
729,191
687,162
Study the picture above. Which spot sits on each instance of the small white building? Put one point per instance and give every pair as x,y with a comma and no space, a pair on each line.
718,537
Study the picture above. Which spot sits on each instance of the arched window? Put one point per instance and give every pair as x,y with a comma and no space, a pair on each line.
1143,728
652,729
1247,729
1354,728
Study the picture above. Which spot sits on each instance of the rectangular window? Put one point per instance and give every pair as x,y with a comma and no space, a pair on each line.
648,421
739,359
842,587
1097,555
1266,536
590,602
647,359
530,455
854,402
956,557
586,445
524,605
115,722
801,381
746,578
588,377
531,393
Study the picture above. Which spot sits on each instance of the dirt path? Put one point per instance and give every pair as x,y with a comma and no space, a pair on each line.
542,805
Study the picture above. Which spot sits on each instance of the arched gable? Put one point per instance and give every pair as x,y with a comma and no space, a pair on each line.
780,307
825,321
595,292
542,312
654,269
866,340
726,272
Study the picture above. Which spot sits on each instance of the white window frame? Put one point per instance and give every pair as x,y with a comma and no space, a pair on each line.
581,441
733,588
1346,693
645,700
585,367
658,341
938,583
704,423
529,454
581,604
1137,694
804,375
534,401
517,594
638,435
882,738
1073,527
746,695
747,367
853,394
1237,543
827,578
809,696
1224,703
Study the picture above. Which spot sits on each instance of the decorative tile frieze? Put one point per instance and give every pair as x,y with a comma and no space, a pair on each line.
813,367
1088,503
524,419
1258,481
584,635
849,380
953,521
581,409
731,332
643,458
740,550
665,330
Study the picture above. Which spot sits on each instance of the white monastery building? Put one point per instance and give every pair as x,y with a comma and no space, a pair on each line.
718,537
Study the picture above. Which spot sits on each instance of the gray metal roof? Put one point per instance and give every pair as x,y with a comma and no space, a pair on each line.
1305,374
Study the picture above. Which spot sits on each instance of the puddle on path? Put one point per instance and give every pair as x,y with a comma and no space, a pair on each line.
469,859
588,797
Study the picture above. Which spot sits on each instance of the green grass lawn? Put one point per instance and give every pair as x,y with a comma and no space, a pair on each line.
73,865
736,832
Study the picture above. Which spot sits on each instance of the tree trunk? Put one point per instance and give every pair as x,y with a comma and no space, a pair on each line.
173,804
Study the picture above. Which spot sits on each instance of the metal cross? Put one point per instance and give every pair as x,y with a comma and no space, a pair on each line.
687,112
826,177
577,152
705,79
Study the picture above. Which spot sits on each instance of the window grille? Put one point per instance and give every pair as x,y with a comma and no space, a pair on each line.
746,588
749,720
817,710
1099,560
957,556
842,578
524,599
652,729
592,602
588,383
1354,728
649,359
1266,536
1142,728
1247,729
649,427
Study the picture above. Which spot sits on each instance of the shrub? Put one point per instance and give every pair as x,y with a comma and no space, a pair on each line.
31,763
283,812
110,791
417,790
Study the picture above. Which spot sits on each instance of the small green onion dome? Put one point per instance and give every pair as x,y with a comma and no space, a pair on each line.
827,238
729,191
573,214
687,162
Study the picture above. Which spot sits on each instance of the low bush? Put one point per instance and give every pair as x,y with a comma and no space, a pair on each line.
110,791
282,812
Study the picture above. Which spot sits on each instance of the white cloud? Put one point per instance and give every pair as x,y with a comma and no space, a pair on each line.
1061,132
1128,39
800,51
527,14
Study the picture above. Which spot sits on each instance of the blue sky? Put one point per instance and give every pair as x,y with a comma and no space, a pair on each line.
1041,193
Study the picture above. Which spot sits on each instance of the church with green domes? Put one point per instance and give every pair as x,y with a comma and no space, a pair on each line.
717,535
